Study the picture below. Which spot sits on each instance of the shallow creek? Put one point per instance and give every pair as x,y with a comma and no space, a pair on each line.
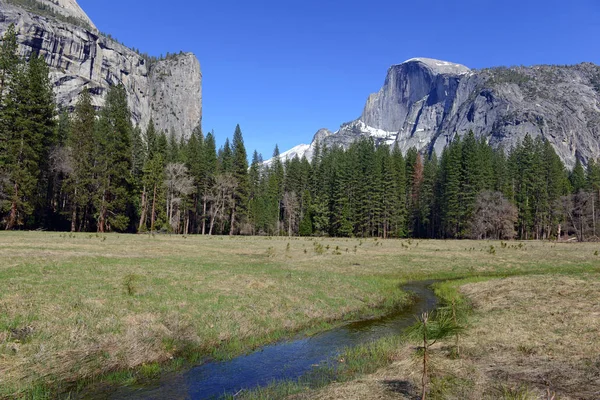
286,360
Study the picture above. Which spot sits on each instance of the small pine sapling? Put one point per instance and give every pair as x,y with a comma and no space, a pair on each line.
429,329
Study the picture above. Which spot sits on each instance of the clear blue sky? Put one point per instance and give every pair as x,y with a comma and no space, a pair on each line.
283,69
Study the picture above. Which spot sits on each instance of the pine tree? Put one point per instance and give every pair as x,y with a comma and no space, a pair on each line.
162,145
472,180
9,61
305,198
208,175
63,127
29,132
428,215
10,65
42,119
341,222
275,180
153,178
577,177
593,184
255,209
113,163
501,182
389,200
138,158
399,167
239,169
450,187
225,158
557,185
193,154
486,163
416,182
306,228
60,167
522,161
173,154
410,162
81,144
364,186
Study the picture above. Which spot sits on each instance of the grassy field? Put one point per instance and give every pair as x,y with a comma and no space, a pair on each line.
528,338
76,307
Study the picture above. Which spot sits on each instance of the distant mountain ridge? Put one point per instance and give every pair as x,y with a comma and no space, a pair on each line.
169,91
425,103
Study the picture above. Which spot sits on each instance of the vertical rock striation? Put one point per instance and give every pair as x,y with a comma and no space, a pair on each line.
424,103
169,90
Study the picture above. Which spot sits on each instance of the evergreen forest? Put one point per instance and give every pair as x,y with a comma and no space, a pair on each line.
88,170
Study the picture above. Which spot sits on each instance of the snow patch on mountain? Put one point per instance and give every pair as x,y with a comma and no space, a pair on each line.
298,151
440,66
387,136
326,138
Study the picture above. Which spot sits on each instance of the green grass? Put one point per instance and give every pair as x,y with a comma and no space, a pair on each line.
97,304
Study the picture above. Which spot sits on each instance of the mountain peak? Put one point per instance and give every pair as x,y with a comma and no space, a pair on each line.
424,103
439,66
170,92
71,8
63,10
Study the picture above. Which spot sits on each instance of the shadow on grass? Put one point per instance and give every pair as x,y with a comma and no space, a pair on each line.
402,387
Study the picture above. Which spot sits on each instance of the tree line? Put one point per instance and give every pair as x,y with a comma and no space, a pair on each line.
89,170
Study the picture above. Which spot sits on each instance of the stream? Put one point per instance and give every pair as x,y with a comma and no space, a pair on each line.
286,360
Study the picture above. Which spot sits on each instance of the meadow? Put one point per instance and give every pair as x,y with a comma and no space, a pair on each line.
527,338
78,308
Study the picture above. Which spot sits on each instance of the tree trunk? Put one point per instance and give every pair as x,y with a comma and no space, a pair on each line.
168,209
278,217
144,209
212,223
231,228
153,210
12,218
102,216
204,216
74,212
83,222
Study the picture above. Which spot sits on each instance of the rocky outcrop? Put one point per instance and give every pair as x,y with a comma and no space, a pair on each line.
176,98
424,103
169,90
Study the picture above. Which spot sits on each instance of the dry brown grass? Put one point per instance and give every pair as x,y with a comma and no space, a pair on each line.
527,335
540,332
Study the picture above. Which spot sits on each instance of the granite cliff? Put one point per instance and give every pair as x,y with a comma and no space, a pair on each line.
168,90
425,103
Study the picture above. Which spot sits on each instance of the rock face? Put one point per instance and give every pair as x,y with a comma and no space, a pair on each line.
425,103
168,91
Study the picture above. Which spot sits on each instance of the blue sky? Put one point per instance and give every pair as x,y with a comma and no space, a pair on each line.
283,69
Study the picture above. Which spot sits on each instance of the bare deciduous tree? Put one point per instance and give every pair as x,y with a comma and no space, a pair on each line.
291,208
61,160
221,197
179,185
494,217
579,212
